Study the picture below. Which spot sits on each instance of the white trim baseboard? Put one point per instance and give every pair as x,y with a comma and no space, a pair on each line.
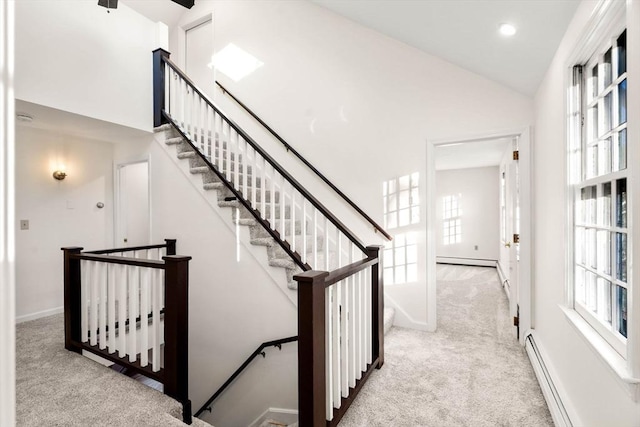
288,416
39,314
550,390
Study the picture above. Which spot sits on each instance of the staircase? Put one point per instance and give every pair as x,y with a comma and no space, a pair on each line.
337,278
240,214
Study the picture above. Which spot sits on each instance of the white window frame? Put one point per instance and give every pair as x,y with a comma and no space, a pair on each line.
452,219
396,255
607,21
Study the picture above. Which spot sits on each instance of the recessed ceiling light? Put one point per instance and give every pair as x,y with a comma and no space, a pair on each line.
507,30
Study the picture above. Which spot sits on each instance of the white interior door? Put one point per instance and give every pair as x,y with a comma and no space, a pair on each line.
133,216
510,230
198,53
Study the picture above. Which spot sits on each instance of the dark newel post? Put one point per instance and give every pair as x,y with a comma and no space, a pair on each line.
171,246
176,331
377,302
158,86
72,300
311,348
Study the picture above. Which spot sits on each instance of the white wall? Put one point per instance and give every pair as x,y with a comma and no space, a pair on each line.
60,213
479,193
589,388
7,213
76,57
234,303
358,104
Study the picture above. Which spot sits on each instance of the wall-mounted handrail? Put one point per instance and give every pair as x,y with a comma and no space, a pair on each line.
258,351
159,84
293,151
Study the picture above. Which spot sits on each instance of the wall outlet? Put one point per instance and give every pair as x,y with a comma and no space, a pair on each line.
475,247
24,224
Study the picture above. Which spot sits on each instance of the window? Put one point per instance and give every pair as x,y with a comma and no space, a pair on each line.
401,201
452,223
402,212
599,179
401,259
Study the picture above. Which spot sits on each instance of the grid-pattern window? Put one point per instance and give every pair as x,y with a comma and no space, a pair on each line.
401,201
401,259
599,173
451,221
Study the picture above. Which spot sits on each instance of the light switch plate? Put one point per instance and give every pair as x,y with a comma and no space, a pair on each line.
24,224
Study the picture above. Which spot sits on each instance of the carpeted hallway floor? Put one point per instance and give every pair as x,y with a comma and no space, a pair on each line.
470,372
55,387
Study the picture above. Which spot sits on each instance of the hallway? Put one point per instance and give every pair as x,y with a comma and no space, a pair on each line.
470,372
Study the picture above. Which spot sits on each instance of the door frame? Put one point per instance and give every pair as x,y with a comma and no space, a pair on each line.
525,271
117,166
182,36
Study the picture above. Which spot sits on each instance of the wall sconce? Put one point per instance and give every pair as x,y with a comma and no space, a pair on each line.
59,175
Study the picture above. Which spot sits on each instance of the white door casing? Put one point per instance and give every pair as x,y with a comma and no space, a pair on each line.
523,269
132,204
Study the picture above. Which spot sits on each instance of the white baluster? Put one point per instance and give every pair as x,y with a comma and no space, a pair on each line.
304,230
346,348
292,215
338,339
315,237
254,179
85,295
111,307
122,310
235,145
210,133
227,144
102,310
167,96
357,331
156,292
263,188
326,244
93,310
144,322
363,320
283,202
134,292
245,170
273,198
329,361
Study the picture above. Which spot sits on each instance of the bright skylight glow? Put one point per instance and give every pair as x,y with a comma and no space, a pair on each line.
507,30
235,62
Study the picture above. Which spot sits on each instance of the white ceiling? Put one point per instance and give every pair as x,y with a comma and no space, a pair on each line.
66,123
465,32
472,154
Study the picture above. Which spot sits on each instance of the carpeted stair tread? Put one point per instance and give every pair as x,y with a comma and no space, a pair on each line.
174,140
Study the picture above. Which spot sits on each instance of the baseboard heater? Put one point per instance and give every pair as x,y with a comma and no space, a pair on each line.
549,391
475,262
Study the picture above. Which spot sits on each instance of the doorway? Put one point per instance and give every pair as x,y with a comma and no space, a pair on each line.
514,189
198,48
132,204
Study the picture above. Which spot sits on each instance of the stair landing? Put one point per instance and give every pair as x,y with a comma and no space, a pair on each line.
58,387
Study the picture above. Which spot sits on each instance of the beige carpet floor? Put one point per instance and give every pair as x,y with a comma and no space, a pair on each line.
55,387
470,372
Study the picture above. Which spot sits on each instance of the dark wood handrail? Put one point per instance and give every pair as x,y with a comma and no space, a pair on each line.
349,270
303,191
111,259
326,180
275,343
169,244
